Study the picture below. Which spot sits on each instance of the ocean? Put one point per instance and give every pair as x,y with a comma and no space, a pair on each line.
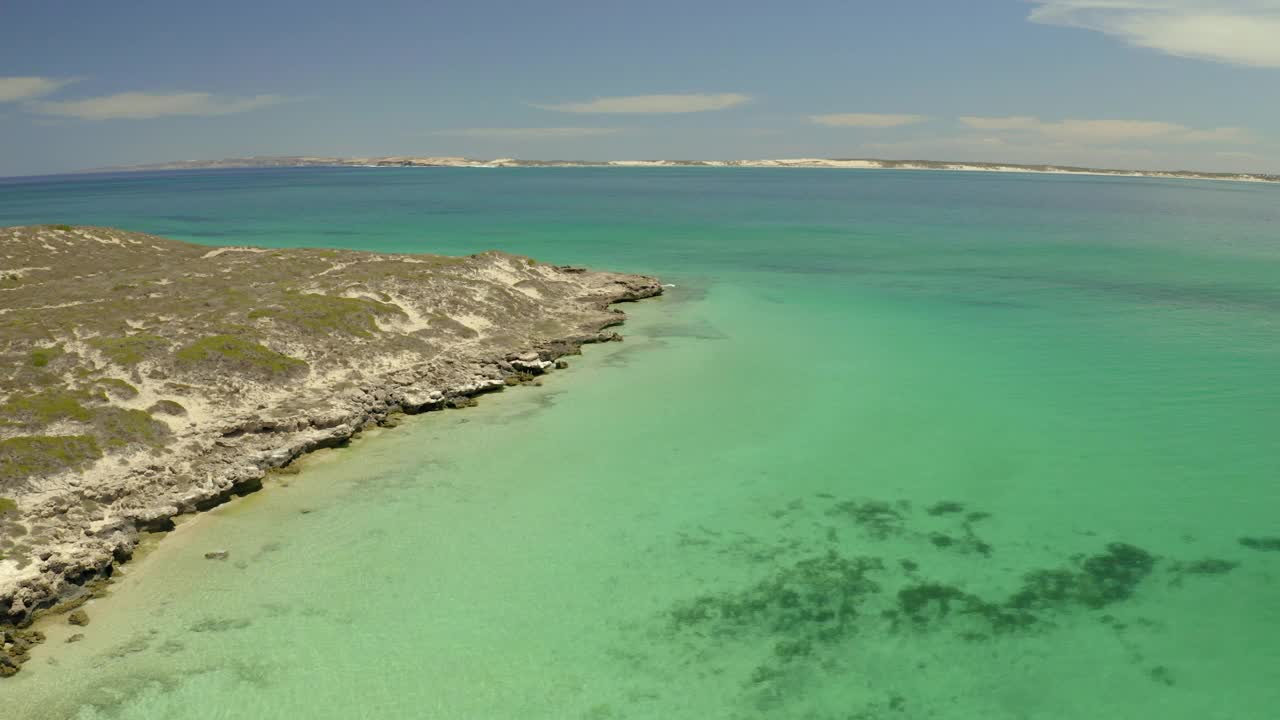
895,444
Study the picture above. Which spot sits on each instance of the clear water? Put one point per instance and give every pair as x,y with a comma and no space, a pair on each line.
870,458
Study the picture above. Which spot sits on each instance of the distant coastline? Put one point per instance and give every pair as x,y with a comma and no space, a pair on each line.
834,163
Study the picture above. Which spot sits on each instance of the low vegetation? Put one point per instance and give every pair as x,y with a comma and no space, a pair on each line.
119,428
117,388
27,456
129,350
316,313
167,407
41,357
238,355
46,407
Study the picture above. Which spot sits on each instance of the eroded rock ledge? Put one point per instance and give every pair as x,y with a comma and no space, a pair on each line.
146,378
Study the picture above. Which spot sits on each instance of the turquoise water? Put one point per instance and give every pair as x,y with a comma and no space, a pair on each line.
896,445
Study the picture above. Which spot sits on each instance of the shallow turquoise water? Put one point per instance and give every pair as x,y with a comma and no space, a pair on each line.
897,445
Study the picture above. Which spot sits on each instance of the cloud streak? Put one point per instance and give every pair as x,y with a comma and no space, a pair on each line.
1110,132
537,133
1239,32
652,104
1016,122
26,88
866,120
146,106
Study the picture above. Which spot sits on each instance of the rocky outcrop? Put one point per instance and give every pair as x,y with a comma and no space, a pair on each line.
283,366
15,648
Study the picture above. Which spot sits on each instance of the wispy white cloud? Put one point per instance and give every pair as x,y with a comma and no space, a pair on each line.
144,106
866,120
1109,132
652,104
1241,32
1016,122
26,88
536,133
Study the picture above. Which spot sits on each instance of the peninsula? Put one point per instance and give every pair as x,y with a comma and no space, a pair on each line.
144,378
852,163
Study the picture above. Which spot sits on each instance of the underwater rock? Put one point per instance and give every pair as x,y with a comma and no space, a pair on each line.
1207,566
1114,575
879,519
1099,581
461,401
1162,675
217,555
816,598
217,625
941,540
1265,544
78,617
15,648
75,638
926,600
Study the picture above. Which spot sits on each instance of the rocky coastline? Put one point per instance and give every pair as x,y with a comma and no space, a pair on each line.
339,342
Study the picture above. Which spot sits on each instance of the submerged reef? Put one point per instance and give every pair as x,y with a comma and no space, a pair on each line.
1269,544
802,616
15,648
813,599
1095,582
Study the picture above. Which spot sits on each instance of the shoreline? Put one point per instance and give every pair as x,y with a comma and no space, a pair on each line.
234,447
140,619
187,537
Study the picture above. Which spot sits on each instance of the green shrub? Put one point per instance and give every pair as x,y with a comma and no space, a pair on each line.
167,407
232,353
43,356
46,407
325,314
129,350
28,456
118,428
117,387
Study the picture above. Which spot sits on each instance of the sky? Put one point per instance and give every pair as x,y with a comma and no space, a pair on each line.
1150,84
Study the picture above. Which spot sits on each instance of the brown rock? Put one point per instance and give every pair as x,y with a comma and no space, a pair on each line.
8,665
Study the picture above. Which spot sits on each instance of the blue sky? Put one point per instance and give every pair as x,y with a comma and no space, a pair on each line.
1126,83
